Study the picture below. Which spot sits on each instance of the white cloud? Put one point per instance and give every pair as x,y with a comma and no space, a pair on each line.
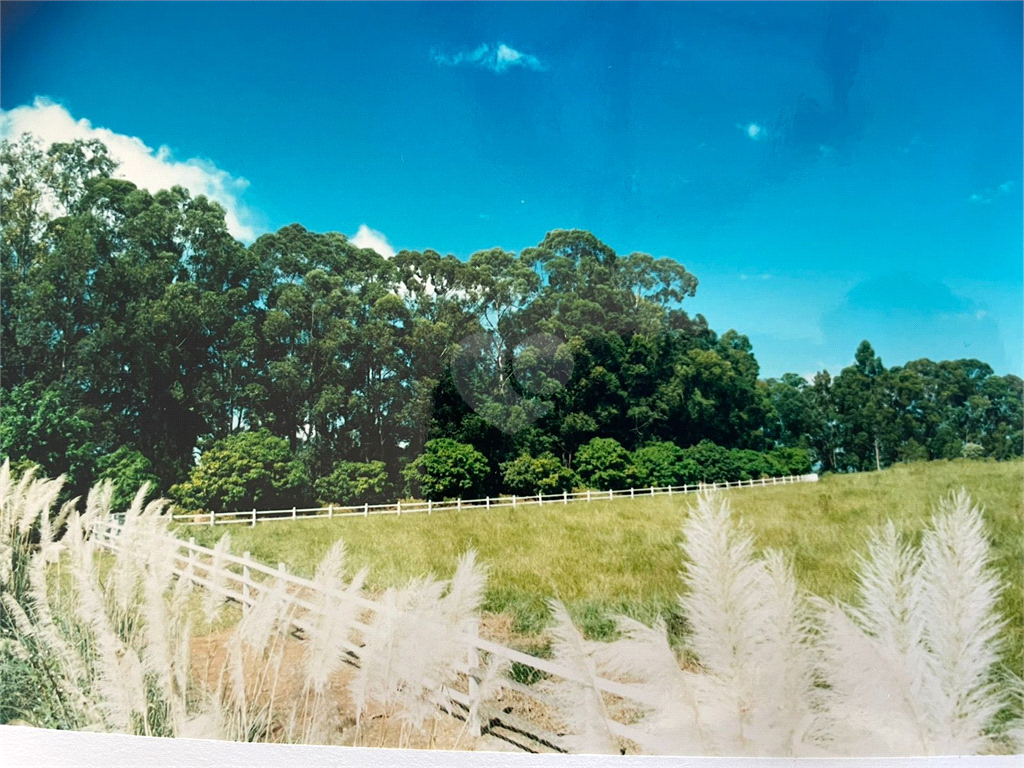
753,131
145,167
989,194
497,58
371,238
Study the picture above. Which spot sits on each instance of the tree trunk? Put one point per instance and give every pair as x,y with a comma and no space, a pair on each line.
878,460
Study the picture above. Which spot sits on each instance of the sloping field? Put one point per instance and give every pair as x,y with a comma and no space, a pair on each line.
623,556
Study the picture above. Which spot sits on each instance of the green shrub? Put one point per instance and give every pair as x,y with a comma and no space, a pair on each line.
247,470
791,461
129,470
714,463
913,451
447,469
604,464
528,475
43,426
663,463
353,482
972,451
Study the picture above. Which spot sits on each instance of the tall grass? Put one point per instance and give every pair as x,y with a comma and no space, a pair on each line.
910,664
911,669
539,553
110,640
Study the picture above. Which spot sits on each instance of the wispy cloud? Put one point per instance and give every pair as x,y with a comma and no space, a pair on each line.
497,58
753,130
374,240
989,194
140,164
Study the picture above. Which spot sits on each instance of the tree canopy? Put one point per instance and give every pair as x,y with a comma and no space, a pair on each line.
133,321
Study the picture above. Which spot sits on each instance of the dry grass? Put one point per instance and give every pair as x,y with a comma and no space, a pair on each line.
622,557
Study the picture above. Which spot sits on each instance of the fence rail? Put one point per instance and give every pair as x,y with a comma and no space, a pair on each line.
242,579
251,517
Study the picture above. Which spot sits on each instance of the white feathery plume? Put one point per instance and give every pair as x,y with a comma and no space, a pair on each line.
396,648
98,501
416,642
677,704
213,596
580,703
910,670
960,625
492,682
330,627
725,605
785,718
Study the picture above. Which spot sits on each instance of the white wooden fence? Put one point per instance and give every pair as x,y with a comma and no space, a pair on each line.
251,517
241,579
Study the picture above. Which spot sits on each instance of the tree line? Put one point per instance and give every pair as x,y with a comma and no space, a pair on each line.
138,336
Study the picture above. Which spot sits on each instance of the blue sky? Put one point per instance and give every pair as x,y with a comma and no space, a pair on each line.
830,172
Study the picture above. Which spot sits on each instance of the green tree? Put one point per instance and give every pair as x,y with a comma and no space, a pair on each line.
129,470
527,475
714,463
246,470
604,464
973,451
662,463
352,482
41,426
447,470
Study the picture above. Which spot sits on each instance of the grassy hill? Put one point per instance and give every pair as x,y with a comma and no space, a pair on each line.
623,556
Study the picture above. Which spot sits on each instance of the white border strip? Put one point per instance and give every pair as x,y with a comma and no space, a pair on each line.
23,747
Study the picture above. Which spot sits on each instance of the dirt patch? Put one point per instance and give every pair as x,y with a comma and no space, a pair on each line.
285,685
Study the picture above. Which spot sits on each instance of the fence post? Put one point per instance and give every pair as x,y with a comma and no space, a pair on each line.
610,496
430,506
513,501
652,490
473,662
191,559
458,505
399,506
366,509
588,494
245,583
670,491
540,499
293,513
487,504
253,524
330,511
565,497
211,517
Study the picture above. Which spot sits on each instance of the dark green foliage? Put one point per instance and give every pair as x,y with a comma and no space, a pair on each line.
129,470
714,463
130,318
663,463
604,464
353,482
447,470
528,475
790,461
247,470
913,451
44,426
26,694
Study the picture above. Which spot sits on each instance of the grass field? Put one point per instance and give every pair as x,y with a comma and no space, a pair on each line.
623,556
